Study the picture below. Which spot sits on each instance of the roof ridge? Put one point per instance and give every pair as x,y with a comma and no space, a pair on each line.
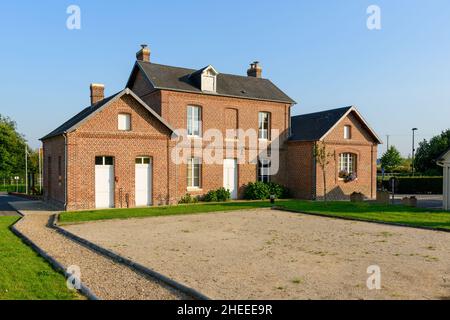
323,111
196,70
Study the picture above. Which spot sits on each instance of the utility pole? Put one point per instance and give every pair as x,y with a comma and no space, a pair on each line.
387,141
413,148
26,169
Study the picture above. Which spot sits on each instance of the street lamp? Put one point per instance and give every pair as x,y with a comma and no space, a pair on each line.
413,148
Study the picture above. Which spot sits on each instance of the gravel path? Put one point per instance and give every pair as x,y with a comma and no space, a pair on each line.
105,278
269,254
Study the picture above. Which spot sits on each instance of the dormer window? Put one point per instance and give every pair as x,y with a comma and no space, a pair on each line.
209,79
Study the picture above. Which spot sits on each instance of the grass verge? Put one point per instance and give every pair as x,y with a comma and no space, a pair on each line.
93,215
24,275
366,211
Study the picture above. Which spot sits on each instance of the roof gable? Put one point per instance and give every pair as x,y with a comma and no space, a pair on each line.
87,113
316,126
165,77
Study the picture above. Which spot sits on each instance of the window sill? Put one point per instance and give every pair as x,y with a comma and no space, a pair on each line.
195,137
194,189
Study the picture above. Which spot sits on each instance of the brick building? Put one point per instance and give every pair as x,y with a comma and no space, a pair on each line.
119,151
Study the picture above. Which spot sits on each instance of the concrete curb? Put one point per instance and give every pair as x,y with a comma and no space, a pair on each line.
53,262
192,293
362,220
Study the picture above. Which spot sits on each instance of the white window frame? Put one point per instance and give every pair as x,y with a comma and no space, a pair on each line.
124,122
347,132
194,126
263,133
264,170
348,162
190,176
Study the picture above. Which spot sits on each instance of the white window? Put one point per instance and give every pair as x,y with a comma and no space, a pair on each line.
264,170
194,121
264,125
193,173
347,132
347,163
124,122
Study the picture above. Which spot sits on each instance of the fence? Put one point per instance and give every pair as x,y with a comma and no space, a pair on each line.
414,185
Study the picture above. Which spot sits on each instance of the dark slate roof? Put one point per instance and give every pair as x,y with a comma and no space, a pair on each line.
441,157
179,79
313,126
79,117
76,120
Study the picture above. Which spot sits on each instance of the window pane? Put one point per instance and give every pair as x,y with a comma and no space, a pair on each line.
189,120
263,125
109,161
99,161
193,120
146,160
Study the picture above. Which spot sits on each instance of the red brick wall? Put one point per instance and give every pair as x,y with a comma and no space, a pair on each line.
306,178
216,115
300,169
53,180
363,145
99,136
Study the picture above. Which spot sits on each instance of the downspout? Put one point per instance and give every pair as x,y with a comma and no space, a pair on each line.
371,172
65,171
314,174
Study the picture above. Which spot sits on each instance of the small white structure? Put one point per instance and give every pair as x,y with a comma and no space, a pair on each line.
444,161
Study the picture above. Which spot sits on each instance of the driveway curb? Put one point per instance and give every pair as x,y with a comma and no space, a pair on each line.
192,293
84,290
361,220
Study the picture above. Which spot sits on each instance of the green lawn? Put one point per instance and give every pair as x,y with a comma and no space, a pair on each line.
398,214
363,211
23,274
92,215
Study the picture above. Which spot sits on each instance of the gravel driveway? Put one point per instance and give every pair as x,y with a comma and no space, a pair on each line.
106,279
268,254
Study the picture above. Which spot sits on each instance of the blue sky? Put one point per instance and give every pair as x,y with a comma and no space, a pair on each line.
319,52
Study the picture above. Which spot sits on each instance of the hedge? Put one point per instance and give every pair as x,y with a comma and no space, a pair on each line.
416,185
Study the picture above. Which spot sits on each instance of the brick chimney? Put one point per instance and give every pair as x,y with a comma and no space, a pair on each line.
143,54
97,92
255,70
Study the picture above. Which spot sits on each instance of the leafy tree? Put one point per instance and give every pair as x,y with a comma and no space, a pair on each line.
322,159
428,151
391,159
12,150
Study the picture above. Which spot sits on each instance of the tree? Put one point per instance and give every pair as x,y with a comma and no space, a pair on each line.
322,159
429,151
391,159
12,150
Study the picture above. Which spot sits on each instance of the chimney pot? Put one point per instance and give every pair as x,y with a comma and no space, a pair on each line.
97,92
143,54
255,70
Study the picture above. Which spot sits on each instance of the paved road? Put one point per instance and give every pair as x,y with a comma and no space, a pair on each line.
423,200
5,208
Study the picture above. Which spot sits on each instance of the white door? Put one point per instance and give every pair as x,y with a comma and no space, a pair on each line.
230,176
143,182
104,184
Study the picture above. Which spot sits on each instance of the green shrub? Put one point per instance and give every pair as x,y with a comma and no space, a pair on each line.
280,191
219,195
257,191
187,198
416,185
